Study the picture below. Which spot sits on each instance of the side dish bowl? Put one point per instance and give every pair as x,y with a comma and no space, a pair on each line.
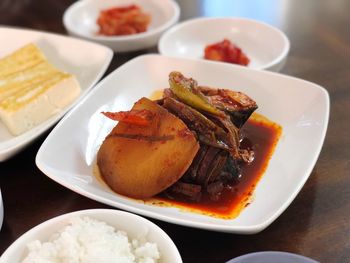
1,210
80,20
265,45
135,227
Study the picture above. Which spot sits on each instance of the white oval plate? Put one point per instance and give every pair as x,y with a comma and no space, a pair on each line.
68,154
80,20
265,45
135,226
87,61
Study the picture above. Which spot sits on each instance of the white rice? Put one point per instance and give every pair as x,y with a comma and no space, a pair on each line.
86,240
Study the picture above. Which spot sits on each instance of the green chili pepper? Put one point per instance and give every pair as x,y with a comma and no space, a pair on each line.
182,88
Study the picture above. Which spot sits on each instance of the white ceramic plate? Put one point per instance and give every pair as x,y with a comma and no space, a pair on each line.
87,61
135,226
80,20
265,45
68,154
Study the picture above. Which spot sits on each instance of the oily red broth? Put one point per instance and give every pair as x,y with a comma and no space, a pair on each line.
261,135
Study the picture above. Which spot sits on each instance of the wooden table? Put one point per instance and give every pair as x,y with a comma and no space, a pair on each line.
316,224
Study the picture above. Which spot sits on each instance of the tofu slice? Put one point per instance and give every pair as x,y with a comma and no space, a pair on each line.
32,90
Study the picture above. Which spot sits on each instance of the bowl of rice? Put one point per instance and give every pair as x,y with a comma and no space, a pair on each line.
94,235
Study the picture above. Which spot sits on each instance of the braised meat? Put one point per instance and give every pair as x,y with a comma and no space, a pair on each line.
215,116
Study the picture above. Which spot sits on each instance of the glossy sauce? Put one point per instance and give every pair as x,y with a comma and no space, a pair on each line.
261,135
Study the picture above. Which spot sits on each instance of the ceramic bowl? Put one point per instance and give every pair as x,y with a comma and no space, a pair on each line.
265,45
135,226
80,20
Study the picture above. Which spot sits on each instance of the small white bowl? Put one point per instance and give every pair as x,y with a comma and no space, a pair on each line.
80,20
265,46
134,225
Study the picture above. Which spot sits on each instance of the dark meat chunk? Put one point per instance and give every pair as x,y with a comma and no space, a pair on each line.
237,104
185,190
231,172
215,189
191,174
216,166
215,116
247,155
207,131
205,166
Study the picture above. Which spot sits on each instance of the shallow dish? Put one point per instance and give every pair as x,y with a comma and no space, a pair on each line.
68,154
87,61
80,20
265,45
135,226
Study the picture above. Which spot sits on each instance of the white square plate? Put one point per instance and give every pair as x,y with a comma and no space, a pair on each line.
300,107
87,61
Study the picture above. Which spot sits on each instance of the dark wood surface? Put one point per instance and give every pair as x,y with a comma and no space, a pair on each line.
316,224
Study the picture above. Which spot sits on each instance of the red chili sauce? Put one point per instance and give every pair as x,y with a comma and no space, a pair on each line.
261,135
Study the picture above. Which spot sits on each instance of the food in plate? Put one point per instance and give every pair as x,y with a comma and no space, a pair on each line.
187,146
86,239
226,51
32,89
124,20
149,143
